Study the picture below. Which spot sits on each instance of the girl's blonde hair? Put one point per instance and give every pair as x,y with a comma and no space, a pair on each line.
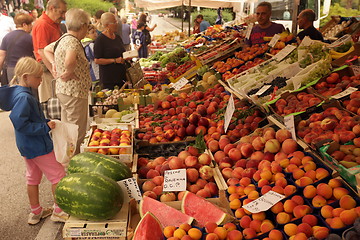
25,65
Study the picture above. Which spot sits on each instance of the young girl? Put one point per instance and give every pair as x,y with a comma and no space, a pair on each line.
32,136
88,43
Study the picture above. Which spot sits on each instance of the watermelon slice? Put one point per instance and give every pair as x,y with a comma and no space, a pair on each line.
202,210
167,215
149,228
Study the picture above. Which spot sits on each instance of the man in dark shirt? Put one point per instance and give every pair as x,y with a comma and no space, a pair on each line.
305,21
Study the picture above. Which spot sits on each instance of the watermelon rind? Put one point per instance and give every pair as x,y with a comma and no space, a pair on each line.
89,196
149,228
167,215
202,210
91,162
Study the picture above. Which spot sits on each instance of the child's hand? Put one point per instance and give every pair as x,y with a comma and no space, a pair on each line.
51,124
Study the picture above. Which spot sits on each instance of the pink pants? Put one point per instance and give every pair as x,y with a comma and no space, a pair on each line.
47,164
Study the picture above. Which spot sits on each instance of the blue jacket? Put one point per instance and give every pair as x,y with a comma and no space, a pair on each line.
204,25
31,129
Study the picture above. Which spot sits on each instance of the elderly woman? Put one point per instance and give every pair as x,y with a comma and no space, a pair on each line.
72,71
108,51
16,44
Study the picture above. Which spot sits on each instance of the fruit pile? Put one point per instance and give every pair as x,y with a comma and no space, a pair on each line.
112,142
333,84
252,52
353,104
244,67
348,155
184,231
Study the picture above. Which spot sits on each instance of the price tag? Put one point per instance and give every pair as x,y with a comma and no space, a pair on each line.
344,39
306,42
229,112
175,180
262,90
180,83
356,70
249,30
274,40
344,93
130,186
290,125
284,52
177,38
264,203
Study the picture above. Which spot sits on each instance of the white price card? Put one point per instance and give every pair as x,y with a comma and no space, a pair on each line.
130,186
284,52
356,70
130,54
274,40
248,30
290,125
177,38
306,42
180,83
264,203
229,112
344,93
262,90
174,180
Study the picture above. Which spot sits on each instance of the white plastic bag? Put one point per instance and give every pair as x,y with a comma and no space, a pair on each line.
64,137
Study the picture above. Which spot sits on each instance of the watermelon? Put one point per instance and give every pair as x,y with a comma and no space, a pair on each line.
202,210
149,228
167,215
89,196
90,162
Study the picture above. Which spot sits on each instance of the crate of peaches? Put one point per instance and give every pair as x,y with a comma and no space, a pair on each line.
114,140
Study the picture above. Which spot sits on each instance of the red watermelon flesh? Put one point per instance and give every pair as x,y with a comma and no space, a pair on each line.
149,228
202,210
167,215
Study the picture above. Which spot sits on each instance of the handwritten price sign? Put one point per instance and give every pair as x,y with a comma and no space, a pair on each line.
175,180
130,186
264,203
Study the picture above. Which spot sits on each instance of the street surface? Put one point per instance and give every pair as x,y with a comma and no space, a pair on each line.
14,204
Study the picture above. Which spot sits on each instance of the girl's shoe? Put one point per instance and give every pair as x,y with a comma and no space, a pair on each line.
59,217
35,218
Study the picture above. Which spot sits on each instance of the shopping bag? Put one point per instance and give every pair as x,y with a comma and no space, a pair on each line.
64,137
134,74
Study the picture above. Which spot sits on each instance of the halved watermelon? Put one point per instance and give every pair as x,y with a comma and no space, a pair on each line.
167,215
149,228
202,210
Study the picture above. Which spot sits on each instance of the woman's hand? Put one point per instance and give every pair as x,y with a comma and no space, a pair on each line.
51,124
66,76
53,72
120,60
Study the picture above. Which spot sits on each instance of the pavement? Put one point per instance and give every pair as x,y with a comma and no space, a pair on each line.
166,24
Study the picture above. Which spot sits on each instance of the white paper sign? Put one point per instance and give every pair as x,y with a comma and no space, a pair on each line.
262,90
306,42
274,40
180,83
284,52
174,180
130,186
248,30
130,54
290,125
344,39
356,70
229,112
177,38
344,93
264,203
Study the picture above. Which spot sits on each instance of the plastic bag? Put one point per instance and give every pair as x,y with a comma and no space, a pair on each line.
64,137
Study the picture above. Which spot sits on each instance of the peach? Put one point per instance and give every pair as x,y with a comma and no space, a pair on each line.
148,186
256,225
259,216
258,143
239,213
179,233
275,235
185,226
195,233
301,210
320,232
245,181
318,201
266,226
311,174
210,227
234,154
283,218
289,206
298,173
249,189
272,146
192,175
298,199
240,190
213,146
212,236
284,162
289,189
327,211
309,191
278,189
263,182
357,210
336,223
169,231
289,146
220,232
277,208
281,182
321,173
253,195
282,134
304,181
249,233
300,236
310,219
233,196
230,189
229,226
305,228
266,174
337,211
235,204
291,167
347,202
324,190
245,222
234,235
309,166
265,189
338,192
348,217
290,229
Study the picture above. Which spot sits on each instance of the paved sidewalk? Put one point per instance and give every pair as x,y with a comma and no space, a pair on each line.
177,23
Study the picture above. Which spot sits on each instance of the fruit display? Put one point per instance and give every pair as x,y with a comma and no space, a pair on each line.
334,28
149,227
184,231
352,104
252,52
170,37
341,51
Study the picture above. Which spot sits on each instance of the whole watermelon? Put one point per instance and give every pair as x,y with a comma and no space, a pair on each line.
89,196
90,162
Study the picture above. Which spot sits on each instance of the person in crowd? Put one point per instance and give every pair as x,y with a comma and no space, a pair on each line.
32,136
35,14
265,27
148,18
146,32
114,11
144,20
97,17
88,44
71,68
125,34
219,19
45,31
196,28
306,22
133,25
203,23
108,50
6,25
139,41
16,44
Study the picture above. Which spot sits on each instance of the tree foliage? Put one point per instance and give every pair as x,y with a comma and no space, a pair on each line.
210,15
337,9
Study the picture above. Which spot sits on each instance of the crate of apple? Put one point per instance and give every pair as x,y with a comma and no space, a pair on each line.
201,176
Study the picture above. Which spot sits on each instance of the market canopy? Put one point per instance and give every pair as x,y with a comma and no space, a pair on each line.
161,4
